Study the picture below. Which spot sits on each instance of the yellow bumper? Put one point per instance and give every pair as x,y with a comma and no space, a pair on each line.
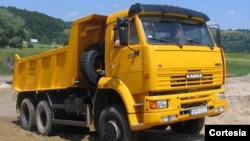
175,112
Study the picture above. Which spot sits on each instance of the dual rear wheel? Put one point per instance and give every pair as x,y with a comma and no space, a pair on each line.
27,114
44,119
41,117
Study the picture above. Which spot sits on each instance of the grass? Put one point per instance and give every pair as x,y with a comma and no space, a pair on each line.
9,52
238,64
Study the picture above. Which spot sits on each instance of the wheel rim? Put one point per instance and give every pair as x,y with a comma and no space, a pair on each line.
112,131
98,66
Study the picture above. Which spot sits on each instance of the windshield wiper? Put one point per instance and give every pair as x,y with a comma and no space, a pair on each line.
192,41
166,41
160,39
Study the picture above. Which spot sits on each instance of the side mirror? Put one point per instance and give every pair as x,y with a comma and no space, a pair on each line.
217,35
122,25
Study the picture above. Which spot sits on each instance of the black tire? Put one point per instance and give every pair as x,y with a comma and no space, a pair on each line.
96,46
160,127
189,127
92,65
27,115
44,119
113,125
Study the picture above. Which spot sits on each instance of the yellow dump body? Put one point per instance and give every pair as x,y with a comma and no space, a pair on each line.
59,68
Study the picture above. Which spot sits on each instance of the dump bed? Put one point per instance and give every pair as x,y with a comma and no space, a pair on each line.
59,68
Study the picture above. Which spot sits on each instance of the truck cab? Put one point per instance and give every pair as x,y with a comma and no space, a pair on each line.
168,68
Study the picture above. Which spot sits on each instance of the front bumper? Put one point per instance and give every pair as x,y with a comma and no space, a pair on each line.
179,109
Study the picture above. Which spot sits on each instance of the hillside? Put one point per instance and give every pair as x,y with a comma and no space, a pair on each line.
21,25
31,24
236,40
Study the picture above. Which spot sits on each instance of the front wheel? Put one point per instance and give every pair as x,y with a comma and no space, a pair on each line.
189,127
113,125
160,127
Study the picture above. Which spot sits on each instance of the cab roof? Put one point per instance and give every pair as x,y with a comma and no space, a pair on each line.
164,9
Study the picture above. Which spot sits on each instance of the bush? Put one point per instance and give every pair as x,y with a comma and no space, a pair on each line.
15,42
30,45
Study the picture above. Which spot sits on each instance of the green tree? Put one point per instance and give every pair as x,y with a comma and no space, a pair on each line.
45,39
15,42
12,29
247,43
3,38
40,25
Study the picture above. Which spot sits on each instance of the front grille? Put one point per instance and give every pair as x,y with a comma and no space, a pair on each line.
182,81
178,78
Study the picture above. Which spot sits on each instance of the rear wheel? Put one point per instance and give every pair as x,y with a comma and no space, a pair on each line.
44,119
113,125
189,127
27,114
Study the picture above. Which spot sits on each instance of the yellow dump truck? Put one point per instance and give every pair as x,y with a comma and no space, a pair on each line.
147,67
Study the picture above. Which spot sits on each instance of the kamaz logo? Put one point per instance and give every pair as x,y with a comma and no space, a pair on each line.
194,76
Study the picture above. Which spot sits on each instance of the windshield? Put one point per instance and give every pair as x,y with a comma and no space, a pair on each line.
165,30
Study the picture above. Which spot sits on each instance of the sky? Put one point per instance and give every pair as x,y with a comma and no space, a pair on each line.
229,14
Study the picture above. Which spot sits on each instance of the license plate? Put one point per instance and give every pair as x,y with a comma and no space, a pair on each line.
198,110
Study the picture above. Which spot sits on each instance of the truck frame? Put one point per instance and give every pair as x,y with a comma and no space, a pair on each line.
168,70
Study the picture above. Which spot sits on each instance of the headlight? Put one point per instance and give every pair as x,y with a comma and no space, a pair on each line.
221,95
168,118
159,104
219,109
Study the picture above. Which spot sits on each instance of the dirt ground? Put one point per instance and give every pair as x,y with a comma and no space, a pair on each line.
238,112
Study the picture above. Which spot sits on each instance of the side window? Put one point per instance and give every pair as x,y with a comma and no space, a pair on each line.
133,36
204,37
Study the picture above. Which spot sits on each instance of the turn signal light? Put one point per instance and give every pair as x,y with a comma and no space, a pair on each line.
158,104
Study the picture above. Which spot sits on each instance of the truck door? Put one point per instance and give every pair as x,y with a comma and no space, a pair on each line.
126,61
